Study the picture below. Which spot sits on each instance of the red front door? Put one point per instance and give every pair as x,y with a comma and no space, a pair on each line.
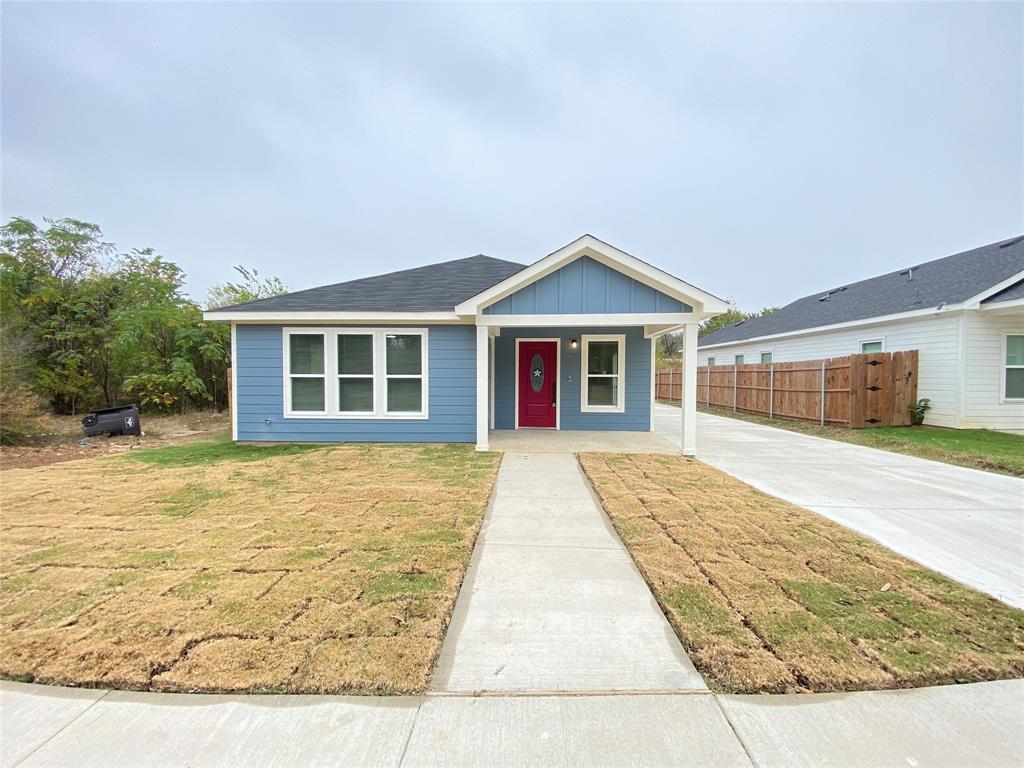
538,377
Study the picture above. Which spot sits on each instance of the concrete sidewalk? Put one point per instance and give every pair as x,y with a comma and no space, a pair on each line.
964,523
968,725
552,601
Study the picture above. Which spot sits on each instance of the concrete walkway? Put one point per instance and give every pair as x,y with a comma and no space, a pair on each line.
552,601
966,524
967,725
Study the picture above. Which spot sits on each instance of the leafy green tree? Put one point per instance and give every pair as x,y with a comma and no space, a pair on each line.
250,288
83,326
731,317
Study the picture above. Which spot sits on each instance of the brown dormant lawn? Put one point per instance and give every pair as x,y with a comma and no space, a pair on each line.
220,567
769,597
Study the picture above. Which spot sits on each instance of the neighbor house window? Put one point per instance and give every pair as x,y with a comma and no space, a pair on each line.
306,373
766,357
711,362
738,360
377,372
872,345
603,375
404,372
1013,366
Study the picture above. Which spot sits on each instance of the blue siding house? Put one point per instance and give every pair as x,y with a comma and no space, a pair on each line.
449,352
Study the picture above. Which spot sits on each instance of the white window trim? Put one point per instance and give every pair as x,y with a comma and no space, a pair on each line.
876,339
710,362
585,340
739,362
766,352
1002,370
331,375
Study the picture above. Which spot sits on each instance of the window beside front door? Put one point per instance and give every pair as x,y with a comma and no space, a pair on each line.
603,375
1013,366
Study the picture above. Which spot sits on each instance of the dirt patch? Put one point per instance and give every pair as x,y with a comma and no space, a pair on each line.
769,597
63,439
218,567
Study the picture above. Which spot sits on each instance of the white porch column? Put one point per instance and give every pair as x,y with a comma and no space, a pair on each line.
482,388
688,406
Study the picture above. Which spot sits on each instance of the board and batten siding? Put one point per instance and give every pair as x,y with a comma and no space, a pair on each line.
585,286
637,413
451,365
937,339
983,376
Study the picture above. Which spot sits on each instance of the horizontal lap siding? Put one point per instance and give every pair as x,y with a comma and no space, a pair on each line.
451,391
637,415
585,286
935,337
984,374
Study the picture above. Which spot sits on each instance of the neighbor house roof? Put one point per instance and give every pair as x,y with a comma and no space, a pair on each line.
435,287
950,280
1015,291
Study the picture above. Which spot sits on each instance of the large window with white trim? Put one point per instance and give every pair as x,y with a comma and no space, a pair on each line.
1013,366
603,375
355,372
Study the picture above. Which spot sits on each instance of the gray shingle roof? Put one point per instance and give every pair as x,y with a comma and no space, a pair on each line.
433,288
949,280
1015,291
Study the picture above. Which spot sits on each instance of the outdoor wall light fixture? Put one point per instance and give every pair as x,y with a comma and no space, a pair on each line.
573,343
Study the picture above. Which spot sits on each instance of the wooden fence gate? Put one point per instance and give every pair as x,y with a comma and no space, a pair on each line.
870,390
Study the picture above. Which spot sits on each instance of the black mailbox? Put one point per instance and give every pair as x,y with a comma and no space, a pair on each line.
123,420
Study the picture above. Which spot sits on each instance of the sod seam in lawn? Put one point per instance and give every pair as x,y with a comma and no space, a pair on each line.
769,597
224,568
985,449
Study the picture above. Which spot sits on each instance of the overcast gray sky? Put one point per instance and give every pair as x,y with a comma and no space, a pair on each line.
761,152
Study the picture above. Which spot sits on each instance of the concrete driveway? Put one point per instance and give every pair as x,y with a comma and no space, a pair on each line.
964,523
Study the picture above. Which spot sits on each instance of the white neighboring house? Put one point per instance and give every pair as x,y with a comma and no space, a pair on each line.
965,313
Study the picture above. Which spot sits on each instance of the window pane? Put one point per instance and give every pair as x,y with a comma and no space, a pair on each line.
307,394
355,353
405,395
1015,350
603,390
355,394
711,362
403,352
870,346
1015,382
739,359
766,357
306,353
603,357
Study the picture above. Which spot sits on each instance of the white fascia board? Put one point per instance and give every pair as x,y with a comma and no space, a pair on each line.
571,321
837,326
610,256
975,301
997,305
242,317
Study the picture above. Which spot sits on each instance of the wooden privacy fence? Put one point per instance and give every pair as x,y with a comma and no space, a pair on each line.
871,390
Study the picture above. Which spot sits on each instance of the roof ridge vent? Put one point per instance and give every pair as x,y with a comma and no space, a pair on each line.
909,272
1008,243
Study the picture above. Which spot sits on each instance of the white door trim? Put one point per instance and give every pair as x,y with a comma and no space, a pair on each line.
558,386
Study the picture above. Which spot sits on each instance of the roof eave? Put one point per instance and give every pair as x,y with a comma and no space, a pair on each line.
321,316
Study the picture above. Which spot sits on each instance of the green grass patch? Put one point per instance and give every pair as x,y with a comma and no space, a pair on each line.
215,452
392,586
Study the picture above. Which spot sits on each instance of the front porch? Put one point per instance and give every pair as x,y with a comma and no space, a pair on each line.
577,441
